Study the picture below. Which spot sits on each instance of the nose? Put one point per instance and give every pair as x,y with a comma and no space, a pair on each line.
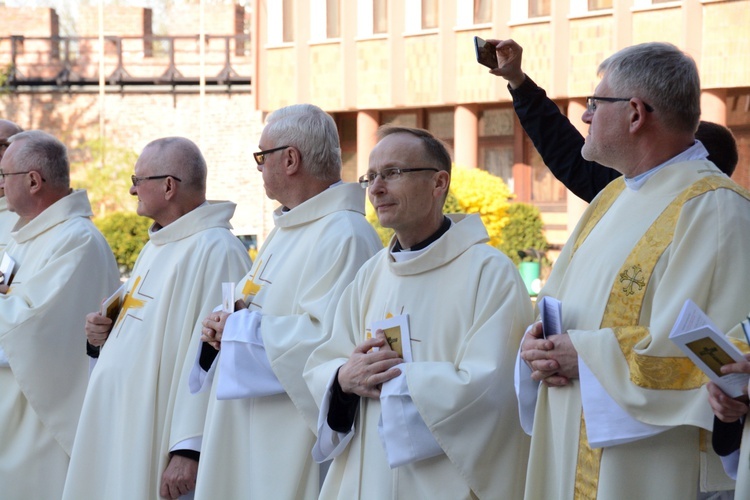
377,185
133,191
587,116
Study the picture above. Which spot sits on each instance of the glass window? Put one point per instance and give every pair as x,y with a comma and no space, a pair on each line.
399,119
600,4
441,124
430,14
539,8
287,21
333,22
482,11
379,16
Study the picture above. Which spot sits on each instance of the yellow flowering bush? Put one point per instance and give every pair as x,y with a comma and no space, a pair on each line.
478,191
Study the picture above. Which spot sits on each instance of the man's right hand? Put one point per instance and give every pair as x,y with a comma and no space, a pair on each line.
97,328
367,370
725,408
509,55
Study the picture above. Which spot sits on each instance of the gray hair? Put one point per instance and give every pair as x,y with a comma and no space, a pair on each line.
182,158
44,153
313,132
663,76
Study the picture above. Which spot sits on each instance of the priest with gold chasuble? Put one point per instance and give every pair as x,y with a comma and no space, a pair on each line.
621,412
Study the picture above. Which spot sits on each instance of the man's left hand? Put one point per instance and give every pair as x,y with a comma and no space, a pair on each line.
179,477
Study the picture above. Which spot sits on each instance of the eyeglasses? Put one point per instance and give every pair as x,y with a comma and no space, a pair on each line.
4,174
389,174
591,102
260,156
138,180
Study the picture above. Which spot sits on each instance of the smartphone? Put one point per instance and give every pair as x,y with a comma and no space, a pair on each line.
486,54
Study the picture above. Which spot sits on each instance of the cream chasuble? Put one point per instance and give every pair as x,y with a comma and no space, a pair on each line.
8,220
131,415
623,276
65,268
259,448
468,309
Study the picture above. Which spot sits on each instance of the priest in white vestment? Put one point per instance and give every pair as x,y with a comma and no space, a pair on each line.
622,413
63,267
260,426
8,218
430,412
136,438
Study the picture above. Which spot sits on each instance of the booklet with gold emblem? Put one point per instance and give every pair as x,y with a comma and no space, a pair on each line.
396,329
708,348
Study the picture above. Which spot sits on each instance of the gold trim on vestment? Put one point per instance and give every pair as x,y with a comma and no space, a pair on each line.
623,309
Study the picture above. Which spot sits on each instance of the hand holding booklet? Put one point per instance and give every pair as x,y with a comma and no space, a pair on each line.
550,312
708,348
111,305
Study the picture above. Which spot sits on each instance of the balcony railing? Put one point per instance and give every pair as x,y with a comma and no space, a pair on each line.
70,62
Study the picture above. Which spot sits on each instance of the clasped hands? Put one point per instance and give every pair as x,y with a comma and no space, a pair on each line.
213,325
367,370
553,360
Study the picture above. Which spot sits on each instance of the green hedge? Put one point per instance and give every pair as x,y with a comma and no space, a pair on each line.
523,232
126,233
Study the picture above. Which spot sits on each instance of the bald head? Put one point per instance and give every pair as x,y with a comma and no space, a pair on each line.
182,158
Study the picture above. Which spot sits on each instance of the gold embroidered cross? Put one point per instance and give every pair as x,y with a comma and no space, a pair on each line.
632,280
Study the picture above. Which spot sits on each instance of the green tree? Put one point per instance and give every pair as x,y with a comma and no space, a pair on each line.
104,170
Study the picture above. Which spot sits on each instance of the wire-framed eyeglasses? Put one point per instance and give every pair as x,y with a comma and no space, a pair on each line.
591,102
4,174
260,156
137,180
389,174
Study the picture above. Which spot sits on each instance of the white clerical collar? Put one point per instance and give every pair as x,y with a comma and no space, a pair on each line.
286,209
406,254
695,152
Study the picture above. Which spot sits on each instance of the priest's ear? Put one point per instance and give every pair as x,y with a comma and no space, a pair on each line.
36,181
292,160
170,188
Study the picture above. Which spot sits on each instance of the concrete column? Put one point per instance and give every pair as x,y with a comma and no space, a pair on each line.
575,205
367,127
714,106
466,135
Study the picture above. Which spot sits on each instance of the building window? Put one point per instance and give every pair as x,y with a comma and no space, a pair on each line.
325,20
379,16
539,8
476,12
440,123
430,14
372,17
523,10
280,22
599,4
422,15
288,21
496,127
482,11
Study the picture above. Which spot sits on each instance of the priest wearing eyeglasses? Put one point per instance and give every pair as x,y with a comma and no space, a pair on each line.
63,268
415,384
260,426
137,437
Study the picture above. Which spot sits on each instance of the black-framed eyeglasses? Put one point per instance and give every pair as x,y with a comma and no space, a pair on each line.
137,180
389,174
4,174
591,102
260,156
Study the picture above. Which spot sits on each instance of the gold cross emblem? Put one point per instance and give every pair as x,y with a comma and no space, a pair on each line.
632,280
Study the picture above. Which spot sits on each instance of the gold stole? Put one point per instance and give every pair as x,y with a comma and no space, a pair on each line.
623,309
